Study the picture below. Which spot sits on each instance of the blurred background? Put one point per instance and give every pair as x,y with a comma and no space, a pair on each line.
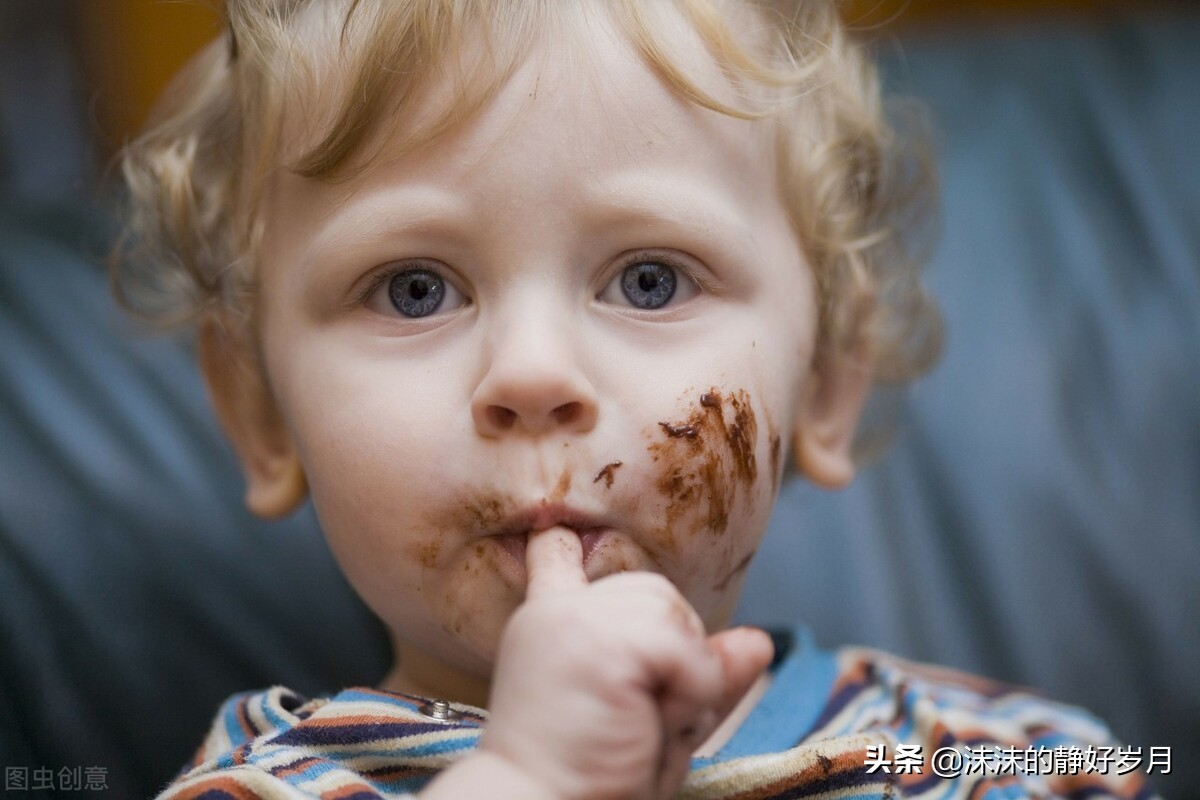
100,64
1037,519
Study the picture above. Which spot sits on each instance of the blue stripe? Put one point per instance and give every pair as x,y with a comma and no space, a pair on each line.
230,719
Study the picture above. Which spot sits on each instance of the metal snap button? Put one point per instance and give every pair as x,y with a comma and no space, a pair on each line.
439,710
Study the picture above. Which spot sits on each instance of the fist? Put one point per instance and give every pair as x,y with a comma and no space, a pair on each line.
603,690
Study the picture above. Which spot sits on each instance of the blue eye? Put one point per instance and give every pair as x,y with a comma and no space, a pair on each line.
416,292
648,285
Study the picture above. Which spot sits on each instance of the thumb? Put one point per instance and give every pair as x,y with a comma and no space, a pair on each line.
744,654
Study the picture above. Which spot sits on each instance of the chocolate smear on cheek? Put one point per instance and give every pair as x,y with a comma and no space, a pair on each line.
607,474
678,431
705,461
741,435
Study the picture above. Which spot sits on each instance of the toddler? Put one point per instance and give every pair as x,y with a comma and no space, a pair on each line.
538,301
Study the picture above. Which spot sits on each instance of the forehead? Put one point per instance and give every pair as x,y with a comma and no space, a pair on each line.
351,84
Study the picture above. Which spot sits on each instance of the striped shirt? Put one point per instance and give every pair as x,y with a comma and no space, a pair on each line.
855,723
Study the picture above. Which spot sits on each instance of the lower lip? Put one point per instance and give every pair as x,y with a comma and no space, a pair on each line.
514,544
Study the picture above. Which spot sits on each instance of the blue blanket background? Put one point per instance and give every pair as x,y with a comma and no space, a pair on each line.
1036,520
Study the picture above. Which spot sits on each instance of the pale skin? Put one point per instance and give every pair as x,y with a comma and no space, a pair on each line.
547,492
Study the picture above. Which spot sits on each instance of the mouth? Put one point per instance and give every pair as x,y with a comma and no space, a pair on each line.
513,534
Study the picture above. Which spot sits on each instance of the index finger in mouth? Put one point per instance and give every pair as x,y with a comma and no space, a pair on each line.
554,562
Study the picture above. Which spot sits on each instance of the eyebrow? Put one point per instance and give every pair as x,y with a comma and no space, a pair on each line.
672,202
662,203
382,215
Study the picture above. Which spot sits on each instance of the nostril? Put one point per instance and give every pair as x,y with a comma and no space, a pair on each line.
568,413
503,418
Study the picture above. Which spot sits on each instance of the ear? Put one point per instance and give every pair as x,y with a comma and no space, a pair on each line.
246,409
824,433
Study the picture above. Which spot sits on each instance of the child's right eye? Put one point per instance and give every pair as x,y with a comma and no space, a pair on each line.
415,292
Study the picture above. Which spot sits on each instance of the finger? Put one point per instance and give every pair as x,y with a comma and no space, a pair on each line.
554,562
714,678
684,728
741,655
676,762
692,694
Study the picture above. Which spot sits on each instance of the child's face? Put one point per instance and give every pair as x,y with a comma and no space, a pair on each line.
435,436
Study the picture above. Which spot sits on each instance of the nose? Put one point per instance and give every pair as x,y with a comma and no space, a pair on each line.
533,384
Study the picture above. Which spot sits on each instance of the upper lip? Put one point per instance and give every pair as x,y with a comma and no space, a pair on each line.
541,517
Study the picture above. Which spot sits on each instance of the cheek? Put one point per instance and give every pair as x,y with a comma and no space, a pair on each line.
390,501
713,470
372,429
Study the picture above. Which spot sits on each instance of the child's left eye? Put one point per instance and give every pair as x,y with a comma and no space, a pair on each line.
648,284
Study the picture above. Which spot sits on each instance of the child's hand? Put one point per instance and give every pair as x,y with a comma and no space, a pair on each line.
604,690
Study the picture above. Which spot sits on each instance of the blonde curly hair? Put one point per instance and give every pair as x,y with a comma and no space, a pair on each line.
855,191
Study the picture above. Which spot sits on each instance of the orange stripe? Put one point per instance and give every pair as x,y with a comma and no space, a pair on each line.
244,720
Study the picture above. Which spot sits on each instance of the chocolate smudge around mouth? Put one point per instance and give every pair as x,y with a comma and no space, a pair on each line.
562,487
483,513
607,474
429,552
